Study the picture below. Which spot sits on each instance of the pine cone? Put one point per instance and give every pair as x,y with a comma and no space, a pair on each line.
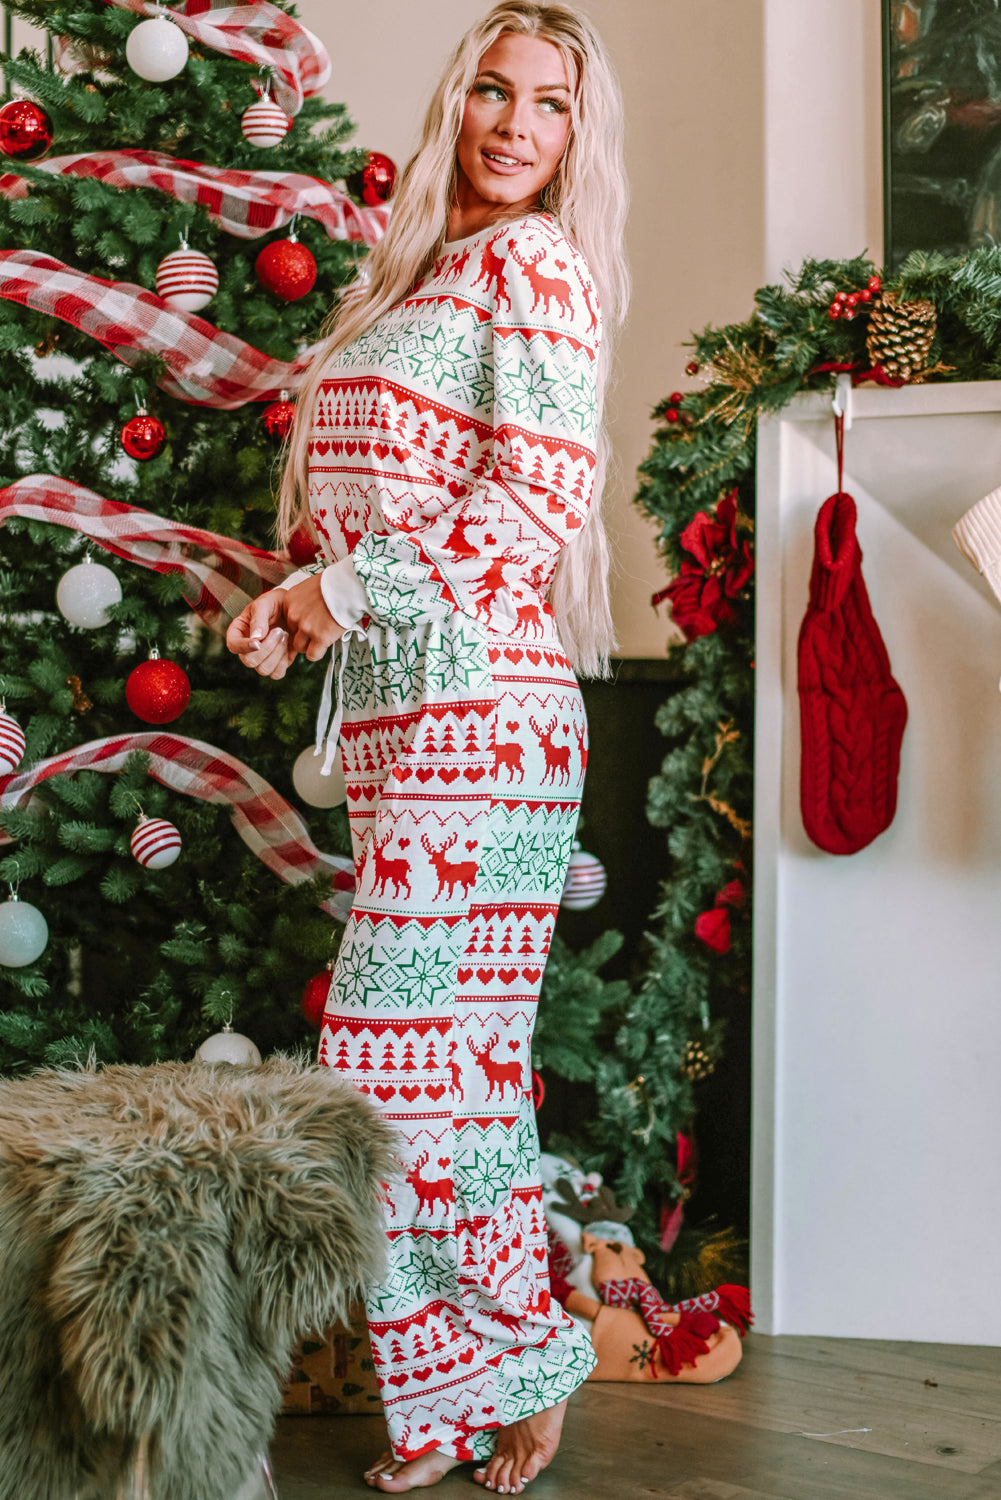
696,1063
900,336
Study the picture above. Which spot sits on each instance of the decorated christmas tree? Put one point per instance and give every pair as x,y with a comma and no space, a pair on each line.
175,227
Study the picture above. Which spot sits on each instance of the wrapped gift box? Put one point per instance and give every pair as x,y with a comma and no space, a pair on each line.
333,1373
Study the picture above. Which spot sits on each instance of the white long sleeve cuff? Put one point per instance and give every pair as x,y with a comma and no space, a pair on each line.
343,591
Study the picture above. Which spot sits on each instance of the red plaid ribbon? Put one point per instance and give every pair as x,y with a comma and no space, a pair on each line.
264,820
205,366
634,1291
220,576
245,204
256,33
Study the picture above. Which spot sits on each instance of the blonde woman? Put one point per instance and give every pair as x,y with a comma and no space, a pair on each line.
448,457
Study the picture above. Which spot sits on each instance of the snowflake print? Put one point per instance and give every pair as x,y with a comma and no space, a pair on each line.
525,392
457,660
398,675
578,406
425,976
487,1177
437,356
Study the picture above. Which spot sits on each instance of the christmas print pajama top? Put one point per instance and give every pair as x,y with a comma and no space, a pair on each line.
452,453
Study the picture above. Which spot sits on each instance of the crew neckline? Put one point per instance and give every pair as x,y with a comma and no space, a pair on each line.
539,213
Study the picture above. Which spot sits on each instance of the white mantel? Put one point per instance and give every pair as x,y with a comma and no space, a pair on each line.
876,1206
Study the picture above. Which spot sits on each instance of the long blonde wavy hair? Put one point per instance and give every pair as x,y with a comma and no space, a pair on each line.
588,199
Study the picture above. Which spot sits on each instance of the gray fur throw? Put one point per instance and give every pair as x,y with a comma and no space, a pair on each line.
166,1234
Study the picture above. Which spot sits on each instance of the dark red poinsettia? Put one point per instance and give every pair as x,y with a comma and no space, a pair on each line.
713,927
700,595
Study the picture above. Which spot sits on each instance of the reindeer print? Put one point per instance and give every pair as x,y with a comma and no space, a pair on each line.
442,492
431,1190
450,875
389,871
494,269
498,1073
557,756
544,288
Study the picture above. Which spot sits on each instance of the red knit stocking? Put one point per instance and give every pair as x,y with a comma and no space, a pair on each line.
852,711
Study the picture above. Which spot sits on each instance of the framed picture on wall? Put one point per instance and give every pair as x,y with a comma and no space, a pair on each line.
942,125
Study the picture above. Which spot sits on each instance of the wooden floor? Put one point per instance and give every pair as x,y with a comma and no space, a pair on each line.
800,1419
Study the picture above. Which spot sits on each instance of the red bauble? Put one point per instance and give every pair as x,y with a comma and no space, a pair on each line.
692,367
142,436
375,182
277,418
302,548
286,268
675,398
672,414
157,691
25,130
314,998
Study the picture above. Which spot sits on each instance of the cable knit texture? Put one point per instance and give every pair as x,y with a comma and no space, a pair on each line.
852,711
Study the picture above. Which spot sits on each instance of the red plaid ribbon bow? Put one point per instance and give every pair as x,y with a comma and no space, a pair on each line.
264,820
245,204
205,366
221,576
255,33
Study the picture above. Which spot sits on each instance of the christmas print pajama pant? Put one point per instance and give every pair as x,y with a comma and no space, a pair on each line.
464,756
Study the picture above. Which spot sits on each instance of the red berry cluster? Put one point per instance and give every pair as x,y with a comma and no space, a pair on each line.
846,304
673,414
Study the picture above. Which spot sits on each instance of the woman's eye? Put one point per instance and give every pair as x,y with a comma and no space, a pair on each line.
558,107
489,88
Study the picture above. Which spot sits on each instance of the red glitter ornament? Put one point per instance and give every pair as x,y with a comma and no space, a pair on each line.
286,268
314,998
672,414
692,367
143,435
25,130
375,182
277,418
157,691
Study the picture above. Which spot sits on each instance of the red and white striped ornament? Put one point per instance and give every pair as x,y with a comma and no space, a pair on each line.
265,123
12,743
186,279
156,843
585,883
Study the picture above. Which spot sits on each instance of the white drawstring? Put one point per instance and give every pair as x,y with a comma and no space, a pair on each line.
328,720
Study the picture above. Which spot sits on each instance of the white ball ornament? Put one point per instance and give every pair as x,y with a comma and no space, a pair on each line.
24,933
12,743
156,49
187,279
585,883
156,843
265,123
86,592
314,788
228,1046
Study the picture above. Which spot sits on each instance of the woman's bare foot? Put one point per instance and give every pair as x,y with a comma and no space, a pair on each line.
523,1450
393,1476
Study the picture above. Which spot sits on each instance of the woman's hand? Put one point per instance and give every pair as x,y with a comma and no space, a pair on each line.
282,624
